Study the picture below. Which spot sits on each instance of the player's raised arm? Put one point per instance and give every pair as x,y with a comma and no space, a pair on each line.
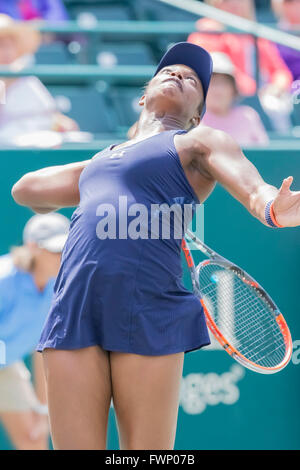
228,165
50,188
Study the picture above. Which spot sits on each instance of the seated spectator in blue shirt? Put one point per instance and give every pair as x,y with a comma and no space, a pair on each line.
50,10
27,277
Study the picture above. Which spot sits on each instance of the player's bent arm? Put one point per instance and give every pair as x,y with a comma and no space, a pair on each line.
226,163
50,188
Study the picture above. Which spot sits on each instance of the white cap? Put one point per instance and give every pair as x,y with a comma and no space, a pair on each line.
48,231
222,64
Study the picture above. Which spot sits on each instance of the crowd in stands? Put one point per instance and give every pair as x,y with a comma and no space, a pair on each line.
28,106
288,13
237,103
275,76
223,110
50,10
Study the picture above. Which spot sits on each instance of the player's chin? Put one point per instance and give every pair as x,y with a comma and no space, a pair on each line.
171,88
174,97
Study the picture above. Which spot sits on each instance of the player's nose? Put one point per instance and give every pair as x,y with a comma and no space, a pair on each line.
176,74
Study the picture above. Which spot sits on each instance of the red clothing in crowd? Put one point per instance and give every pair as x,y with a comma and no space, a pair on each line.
241,50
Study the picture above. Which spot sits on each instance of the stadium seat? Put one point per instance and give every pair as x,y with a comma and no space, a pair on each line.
54,53
108,55
296,115
126,102
101,12
254,102
90,108
149,10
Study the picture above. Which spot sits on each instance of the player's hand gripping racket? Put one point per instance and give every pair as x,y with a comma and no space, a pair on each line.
239,313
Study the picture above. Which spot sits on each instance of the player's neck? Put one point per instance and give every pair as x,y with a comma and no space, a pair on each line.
153,123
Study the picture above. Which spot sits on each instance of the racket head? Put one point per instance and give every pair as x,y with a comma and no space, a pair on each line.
241,315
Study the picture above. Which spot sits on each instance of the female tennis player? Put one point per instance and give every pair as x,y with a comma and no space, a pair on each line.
120,320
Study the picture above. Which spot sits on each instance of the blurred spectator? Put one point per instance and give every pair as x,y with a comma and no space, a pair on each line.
240,49
50,10
26,105
222,110
27,277
288,12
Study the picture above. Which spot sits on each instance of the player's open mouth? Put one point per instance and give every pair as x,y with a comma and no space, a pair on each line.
176,81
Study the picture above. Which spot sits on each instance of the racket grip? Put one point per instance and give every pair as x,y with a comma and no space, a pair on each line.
270,216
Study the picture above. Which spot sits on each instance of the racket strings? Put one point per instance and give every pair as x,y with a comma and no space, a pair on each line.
246,323
244,338
257,345
244,318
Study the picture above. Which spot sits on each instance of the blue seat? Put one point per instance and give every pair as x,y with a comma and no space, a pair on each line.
110,54
264,12
126,104
115,11
91,109
266,16
155,11
295,117
254,102
54,53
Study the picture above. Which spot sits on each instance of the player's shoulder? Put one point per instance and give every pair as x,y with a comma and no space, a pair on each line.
205,139
101,152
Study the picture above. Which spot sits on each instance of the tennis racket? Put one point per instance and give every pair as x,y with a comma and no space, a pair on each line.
239,313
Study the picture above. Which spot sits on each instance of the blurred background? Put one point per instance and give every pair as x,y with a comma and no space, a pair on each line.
71,74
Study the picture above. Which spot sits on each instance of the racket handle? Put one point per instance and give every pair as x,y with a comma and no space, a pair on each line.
200,245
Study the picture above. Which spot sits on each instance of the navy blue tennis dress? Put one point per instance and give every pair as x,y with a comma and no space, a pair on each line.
123,291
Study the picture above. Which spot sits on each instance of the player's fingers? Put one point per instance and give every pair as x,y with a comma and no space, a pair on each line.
286,184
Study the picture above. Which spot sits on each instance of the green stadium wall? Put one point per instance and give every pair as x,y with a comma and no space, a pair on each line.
223,405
